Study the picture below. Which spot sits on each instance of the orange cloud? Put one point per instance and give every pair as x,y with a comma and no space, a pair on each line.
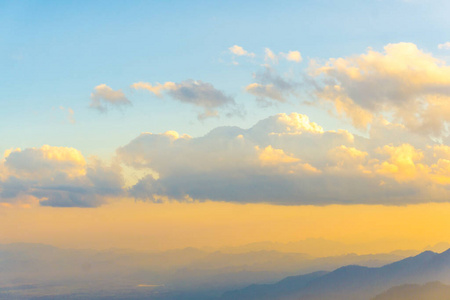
271,156
402,82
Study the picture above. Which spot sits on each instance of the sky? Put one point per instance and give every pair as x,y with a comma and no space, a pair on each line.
167,124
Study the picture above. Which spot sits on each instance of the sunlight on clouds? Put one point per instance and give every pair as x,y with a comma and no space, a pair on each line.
262,91
283,159
175,135
156,89
194,92
346,107
287,159
441,151
403,162
403,82
298,123
57,176
347,156
293,56
41,162
271,156
271,86
104,97
441,172
271,57
239,51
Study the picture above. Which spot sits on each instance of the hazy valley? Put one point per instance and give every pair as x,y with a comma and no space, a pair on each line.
29,271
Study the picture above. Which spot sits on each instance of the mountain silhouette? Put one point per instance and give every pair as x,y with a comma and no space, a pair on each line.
353,282
288,287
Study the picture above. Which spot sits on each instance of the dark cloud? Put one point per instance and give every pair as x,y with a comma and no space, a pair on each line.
194,92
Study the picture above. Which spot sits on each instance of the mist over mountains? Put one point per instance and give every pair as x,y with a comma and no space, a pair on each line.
352,281
36,271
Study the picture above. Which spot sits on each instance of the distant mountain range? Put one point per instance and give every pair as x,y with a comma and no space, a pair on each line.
352,282
193,274
189,270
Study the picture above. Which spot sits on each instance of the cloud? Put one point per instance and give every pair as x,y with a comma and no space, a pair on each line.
284,159
271,57
194,92
270,87
403,84
70,114
287,159
156,89
271,156
104,97
444,46
402,163
57,176
265,91
239,51
42,162
293,56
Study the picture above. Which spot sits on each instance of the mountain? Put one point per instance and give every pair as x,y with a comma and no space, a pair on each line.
190,270
287,287
355,282
432,290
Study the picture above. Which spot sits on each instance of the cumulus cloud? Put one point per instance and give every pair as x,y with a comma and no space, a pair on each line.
57,176
287,159
239,51
403,84
104,97
284,159
194,92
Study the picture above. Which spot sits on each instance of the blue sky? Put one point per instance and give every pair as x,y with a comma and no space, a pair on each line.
53,53
291,107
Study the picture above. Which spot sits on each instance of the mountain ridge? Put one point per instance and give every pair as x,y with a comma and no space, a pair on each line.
354,282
